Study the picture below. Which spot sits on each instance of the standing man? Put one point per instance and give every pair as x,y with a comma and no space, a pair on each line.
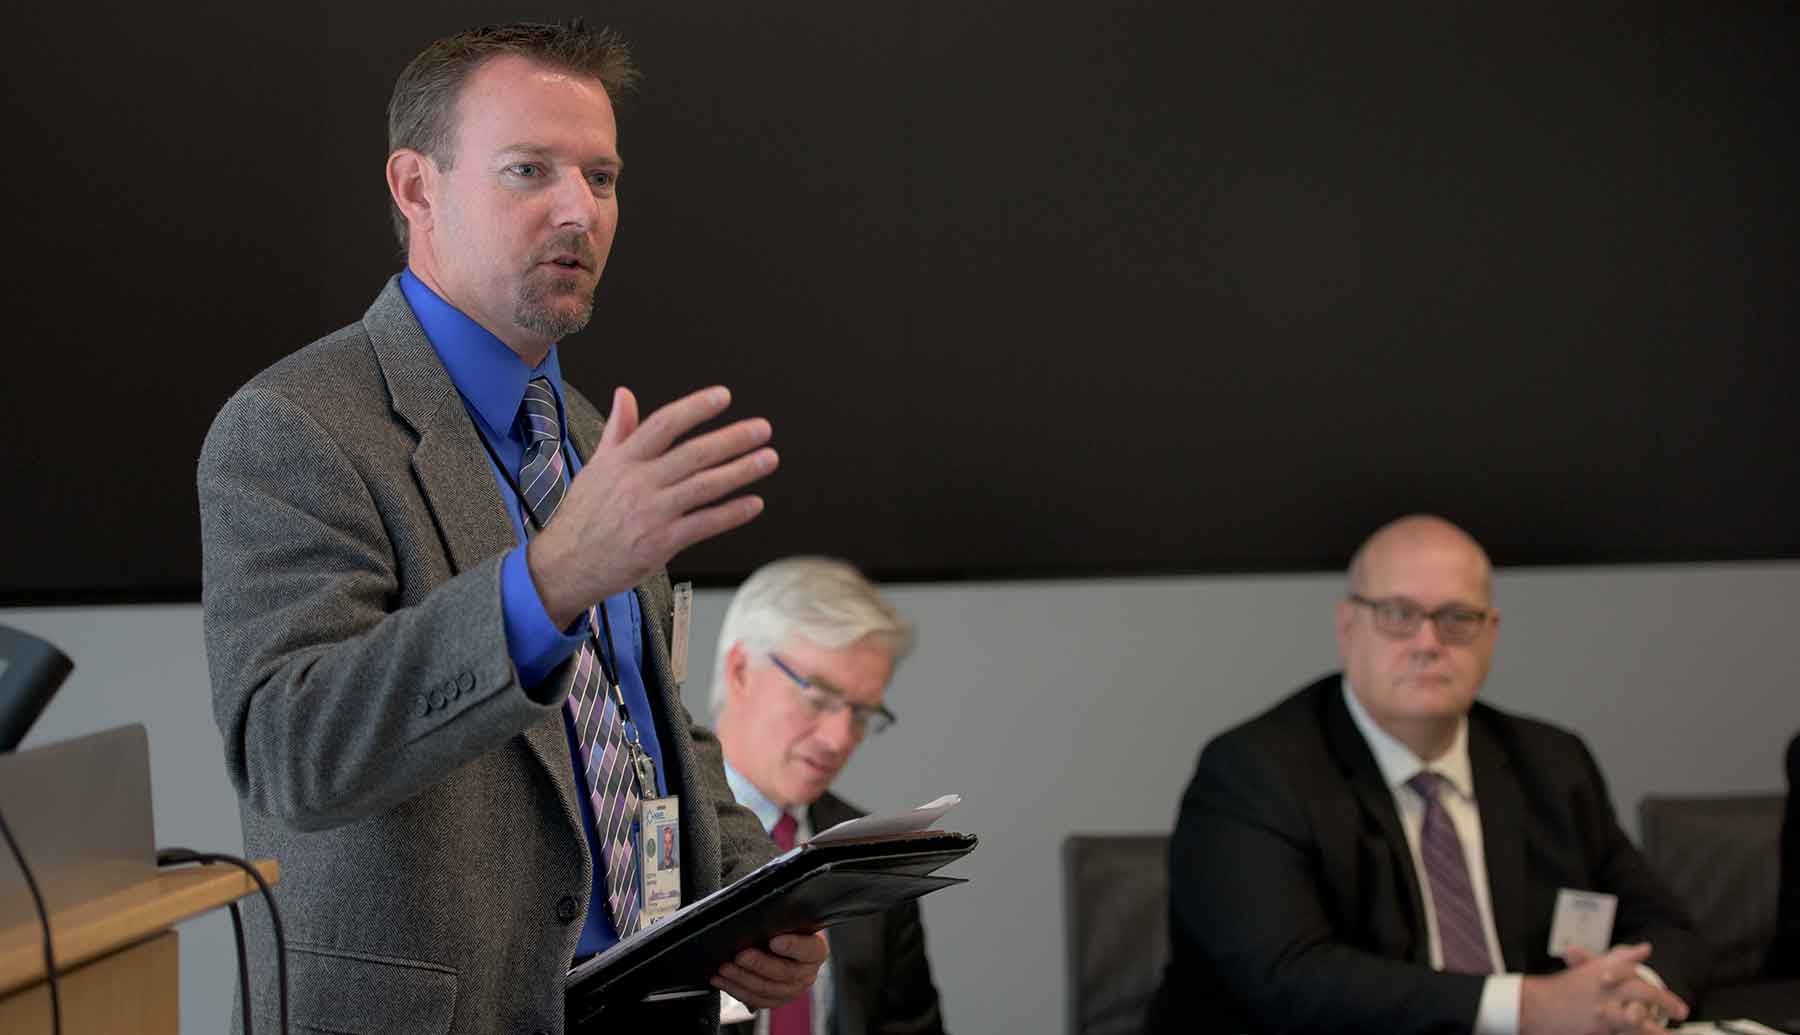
436,613
1380,852
805,656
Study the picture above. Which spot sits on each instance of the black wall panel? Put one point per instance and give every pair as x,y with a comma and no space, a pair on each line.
1027,287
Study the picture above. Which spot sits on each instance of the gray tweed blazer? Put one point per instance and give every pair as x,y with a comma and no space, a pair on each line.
420,801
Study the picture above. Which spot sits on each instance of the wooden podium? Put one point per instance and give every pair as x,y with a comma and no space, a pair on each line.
116,960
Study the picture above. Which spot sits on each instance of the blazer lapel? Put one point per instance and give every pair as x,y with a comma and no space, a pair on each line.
1377,802
457,483
449,460
1502,805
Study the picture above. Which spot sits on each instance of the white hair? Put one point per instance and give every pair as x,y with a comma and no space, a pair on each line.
824,600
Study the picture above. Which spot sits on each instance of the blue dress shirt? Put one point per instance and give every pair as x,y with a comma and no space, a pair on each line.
491,379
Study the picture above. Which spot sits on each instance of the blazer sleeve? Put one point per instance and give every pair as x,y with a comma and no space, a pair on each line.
1248,892
1784,954
333,701
1648,911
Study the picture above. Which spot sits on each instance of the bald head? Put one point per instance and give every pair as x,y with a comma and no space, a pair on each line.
1412,680
1402,541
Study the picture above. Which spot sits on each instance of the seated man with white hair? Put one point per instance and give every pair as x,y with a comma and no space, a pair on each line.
805,655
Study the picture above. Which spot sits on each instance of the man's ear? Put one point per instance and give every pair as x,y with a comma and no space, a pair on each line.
737,673
412,183
1346,613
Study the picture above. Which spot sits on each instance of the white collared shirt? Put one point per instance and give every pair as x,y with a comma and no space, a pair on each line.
1499,1011
769,813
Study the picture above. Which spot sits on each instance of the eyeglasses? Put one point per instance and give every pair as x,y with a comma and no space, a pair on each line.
1400,618
825,699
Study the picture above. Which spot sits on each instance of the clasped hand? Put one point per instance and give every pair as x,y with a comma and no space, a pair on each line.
644,497
1598,995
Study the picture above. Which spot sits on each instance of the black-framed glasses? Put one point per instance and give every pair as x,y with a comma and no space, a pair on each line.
825,699
1400,618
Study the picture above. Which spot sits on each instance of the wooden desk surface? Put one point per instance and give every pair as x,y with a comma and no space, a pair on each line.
94,928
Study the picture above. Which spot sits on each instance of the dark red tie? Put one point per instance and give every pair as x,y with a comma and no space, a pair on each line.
793,1018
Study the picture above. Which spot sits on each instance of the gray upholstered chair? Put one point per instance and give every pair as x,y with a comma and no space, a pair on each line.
1116,907
1721,856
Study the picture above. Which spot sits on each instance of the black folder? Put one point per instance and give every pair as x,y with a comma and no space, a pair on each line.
812,887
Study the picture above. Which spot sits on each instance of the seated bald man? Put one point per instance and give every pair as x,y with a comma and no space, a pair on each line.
805,656
1380,852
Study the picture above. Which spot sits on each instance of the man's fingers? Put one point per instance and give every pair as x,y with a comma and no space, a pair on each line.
710,450
807,948
712,521
1575,956
762,979
623,420
660,430
710,485
778,970
1644,995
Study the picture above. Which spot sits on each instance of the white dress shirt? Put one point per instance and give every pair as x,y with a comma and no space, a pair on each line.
1499,1010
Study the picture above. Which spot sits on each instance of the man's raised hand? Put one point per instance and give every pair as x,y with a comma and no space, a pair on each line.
643,497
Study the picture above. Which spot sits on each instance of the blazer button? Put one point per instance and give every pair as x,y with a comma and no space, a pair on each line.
465,682
565,909
424,706
450,690
437,699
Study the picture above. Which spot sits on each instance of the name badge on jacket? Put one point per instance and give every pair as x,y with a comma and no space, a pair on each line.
1583,920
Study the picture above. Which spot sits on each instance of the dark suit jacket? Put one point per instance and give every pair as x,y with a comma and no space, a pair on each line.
1784,955
421,802
1293,905
880,975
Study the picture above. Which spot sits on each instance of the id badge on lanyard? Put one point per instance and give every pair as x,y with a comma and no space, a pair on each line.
659,847
658,819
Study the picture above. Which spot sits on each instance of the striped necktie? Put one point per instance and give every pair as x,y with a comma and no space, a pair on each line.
1452,896
599,728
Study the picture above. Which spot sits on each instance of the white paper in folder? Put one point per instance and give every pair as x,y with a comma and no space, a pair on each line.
922,818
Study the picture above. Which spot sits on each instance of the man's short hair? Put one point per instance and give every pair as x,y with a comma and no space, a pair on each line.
422,111
822,599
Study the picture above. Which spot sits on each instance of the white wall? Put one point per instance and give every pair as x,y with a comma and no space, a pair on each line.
1055,707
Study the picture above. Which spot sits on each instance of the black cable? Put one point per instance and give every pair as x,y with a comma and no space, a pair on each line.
179,856
37,897
237,928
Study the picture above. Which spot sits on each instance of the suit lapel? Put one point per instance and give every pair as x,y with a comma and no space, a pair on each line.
1502,805
449,460
457,483
1377,802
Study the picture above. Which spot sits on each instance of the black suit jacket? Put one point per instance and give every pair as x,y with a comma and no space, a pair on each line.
1784,955
881,977
1292,897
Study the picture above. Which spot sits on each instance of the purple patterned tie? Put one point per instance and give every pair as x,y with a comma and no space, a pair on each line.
599,730
1452,897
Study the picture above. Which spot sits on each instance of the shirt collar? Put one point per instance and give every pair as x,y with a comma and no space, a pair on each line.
490,376
749,797
1397,762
